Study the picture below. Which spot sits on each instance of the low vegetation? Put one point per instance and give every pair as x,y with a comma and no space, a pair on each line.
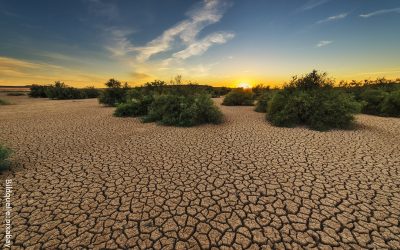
312,101
378,97
61,91
134,107
16,94
239,97
172,105
4,102
183,110
262,101
114,94
4,155
391,104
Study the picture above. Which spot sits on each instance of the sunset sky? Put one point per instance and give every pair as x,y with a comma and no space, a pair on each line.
217,42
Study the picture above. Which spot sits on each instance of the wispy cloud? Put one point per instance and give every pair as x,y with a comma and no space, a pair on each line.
311,4
380,12
333,18
209,13
186,31
140,76
199,47
386,72
119,44
321,44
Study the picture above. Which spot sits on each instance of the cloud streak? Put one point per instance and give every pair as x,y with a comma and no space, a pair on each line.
186,32
380,12
209,13
199,47
311,4
323,43
333,18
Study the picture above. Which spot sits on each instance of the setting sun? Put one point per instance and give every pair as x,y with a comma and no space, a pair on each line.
244,85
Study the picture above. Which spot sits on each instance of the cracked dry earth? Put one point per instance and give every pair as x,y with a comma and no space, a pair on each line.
85,179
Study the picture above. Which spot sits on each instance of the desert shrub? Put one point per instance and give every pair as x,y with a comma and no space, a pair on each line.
16,94
332,109
90,92
61,91
391,104
183,110
259,90
238,97
4,155
4,102
38,91
114,93
312,101
372,99
262,102
219,91
134,106
155,87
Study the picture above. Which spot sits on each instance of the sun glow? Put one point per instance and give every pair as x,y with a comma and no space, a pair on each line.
244,85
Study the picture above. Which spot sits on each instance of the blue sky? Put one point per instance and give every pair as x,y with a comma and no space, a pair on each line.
218,42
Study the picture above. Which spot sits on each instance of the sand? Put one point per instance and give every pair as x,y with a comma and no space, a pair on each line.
85,179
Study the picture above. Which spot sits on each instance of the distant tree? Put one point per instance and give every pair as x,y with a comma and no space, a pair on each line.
114,93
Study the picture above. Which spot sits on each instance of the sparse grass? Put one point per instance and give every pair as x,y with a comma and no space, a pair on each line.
312,101
4,155
4,102
239,97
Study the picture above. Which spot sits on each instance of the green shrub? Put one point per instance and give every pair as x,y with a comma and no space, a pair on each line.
311,101
4,155
61,91
183,110
332,109
262,102
391,104
16,94
218,91
4,102
134,107
373,99
38,91
114,93
90,92
259,90
238,97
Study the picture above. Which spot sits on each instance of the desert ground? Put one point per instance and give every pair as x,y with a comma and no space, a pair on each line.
85,179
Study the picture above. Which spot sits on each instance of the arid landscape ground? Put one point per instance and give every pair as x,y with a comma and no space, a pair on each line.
85,179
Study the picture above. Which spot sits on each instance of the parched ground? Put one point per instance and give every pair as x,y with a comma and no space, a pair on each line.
86,179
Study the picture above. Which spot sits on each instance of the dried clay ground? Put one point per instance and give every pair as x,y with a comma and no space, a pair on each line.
85,179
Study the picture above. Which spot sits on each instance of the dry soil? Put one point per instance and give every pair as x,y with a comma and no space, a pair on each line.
85,179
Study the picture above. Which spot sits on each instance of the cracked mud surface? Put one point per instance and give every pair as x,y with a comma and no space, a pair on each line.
87,179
